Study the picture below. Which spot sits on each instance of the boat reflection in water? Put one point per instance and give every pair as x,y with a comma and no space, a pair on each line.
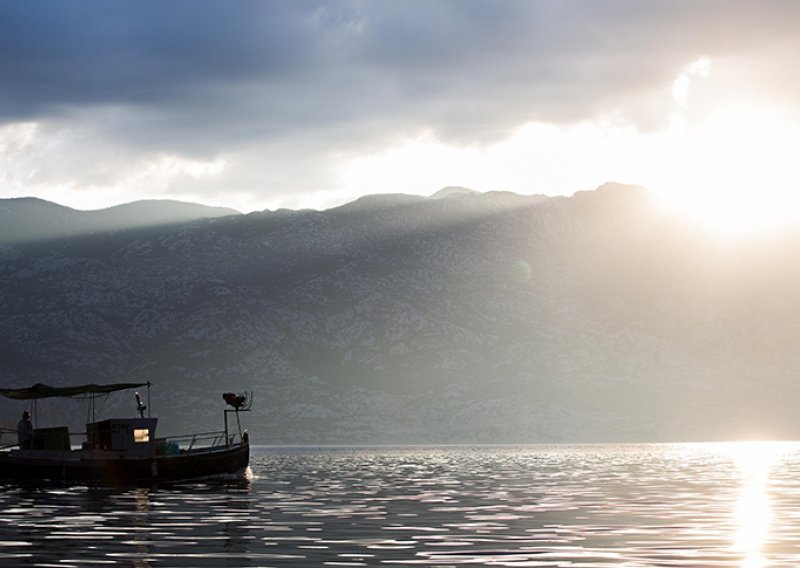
123,450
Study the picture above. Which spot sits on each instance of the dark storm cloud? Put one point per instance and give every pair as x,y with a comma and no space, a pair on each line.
319,62
200,77
61,53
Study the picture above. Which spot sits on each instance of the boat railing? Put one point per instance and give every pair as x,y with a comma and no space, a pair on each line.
202,440
169,444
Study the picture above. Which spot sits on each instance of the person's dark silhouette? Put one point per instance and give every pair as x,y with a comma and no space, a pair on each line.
25,431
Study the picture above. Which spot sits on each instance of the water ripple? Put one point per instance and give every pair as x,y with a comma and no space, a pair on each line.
633,505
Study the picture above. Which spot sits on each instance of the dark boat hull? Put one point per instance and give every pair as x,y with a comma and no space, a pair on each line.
73,467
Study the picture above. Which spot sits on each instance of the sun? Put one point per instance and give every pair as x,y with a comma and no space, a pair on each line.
734,171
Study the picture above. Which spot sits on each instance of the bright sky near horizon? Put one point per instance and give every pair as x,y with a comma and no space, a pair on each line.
257,105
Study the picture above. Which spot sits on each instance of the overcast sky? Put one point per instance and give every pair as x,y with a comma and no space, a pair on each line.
271,104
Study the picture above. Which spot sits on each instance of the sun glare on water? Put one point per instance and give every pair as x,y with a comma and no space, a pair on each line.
753,516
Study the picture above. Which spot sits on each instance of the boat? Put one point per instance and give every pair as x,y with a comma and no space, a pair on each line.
124,450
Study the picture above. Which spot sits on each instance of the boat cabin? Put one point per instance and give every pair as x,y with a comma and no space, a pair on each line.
134,435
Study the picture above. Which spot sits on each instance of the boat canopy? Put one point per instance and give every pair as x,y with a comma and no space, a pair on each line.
46,391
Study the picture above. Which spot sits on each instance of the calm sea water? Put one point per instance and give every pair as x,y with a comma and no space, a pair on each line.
629,505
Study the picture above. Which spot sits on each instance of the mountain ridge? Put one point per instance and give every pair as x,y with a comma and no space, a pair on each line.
31,218
484,319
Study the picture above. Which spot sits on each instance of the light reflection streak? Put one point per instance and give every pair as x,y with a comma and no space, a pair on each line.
755,461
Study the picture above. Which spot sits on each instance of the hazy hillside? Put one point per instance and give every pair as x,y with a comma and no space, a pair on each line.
31,219
476,318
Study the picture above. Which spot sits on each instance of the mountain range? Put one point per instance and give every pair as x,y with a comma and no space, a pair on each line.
30,219
461,318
